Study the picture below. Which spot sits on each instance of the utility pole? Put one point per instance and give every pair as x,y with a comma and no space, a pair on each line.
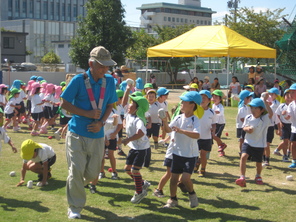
233,4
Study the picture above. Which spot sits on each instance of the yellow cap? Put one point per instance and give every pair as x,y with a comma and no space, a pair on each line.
27,149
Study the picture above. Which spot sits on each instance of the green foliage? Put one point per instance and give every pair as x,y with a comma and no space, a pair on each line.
51,58
103,25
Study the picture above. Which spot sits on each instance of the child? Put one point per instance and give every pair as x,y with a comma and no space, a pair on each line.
121,111
3,135
208,123
36,108
243,110
3,100
48,107
285,127
290,114
273,103
162,96
255,126
38,157
219,110
137,140
10,112
185,148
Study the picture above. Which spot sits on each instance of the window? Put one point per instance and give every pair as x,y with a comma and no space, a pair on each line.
58,11
185,20
38,10
177,19
51,10
45,10
164,18
197,21
173,19
209,22
10,5
24,8
182,20
63,11
201,22
8,42
61,46
31,8
74,10
69,13
169,19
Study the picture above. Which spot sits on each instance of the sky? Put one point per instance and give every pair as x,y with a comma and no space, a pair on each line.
132,16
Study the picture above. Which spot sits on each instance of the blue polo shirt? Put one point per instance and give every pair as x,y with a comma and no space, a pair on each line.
76,94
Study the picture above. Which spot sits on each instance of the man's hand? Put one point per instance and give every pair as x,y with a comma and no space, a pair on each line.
20,183
95,127
93,114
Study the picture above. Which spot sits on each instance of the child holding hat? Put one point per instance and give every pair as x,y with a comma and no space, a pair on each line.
37,157
136,139
185,129
255,125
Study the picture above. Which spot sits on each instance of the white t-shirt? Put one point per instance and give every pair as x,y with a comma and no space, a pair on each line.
49,97
153,112
275,120
184,145
43,154
234,87
206,122
164,105
120,109
4,137
2,99
292,113
109,127
260,125
242,113
133,125
34,101
21,97
282,107
169,152
220,117
8,108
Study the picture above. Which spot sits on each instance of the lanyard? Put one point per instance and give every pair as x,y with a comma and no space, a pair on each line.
91,94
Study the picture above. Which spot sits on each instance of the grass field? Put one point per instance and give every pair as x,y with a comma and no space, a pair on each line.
220,199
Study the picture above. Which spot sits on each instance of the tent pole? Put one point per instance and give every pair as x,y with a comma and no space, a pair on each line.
227,80
274,68
195,73
146,70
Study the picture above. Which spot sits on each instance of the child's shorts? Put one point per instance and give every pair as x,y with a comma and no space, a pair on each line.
205,145
9,116
47,112
154,130
51,161
167,162
286,131
293,137
183,164
112,145
255,152
29,105
270,134
22,109
55,110
219,129
138,158
64,120
37,116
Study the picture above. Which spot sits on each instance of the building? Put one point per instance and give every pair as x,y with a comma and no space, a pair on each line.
171,15
45,21
13,47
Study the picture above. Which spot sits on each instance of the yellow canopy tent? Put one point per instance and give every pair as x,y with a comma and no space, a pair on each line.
211,41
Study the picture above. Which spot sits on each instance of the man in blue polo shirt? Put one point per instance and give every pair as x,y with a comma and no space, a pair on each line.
85,137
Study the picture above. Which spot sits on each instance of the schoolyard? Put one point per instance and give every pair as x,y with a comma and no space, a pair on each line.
220,199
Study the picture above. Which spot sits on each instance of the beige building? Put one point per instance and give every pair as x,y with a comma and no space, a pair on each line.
171,15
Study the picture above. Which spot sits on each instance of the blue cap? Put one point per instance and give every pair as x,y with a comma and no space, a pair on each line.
33,77
274,90
39,78
286,91
244,94
257,102
162,91
192,96
293,87
206,92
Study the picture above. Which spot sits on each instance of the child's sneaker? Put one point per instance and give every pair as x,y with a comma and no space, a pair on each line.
222,153
114,176
92,188
171,203
43,131
146,185
276,152
102,175
202,173
293,165
285,158
138,197
222,147
121,153
265,163
158,193
57,136
241,182
258,180
193,200
34,133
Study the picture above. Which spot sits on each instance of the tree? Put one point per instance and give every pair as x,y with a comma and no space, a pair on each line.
51,59
263,27
143,40
103,25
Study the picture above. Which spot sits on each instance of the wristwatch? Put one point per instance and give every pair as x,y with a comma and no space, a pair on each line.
104,122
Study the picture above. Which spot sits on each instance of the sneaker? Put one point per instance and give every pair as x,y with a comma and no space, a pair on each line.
92,188
285,159
289,153
73,215
121,153
146,185
15,129
293,165
102,175
106,156
171,203
222,153
193,200
265,163
202,173
158,193
57,136
161,142
156,146
222,147
277,153
241,182
138,197
34,133
114,176
182,187
258,180
43,131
